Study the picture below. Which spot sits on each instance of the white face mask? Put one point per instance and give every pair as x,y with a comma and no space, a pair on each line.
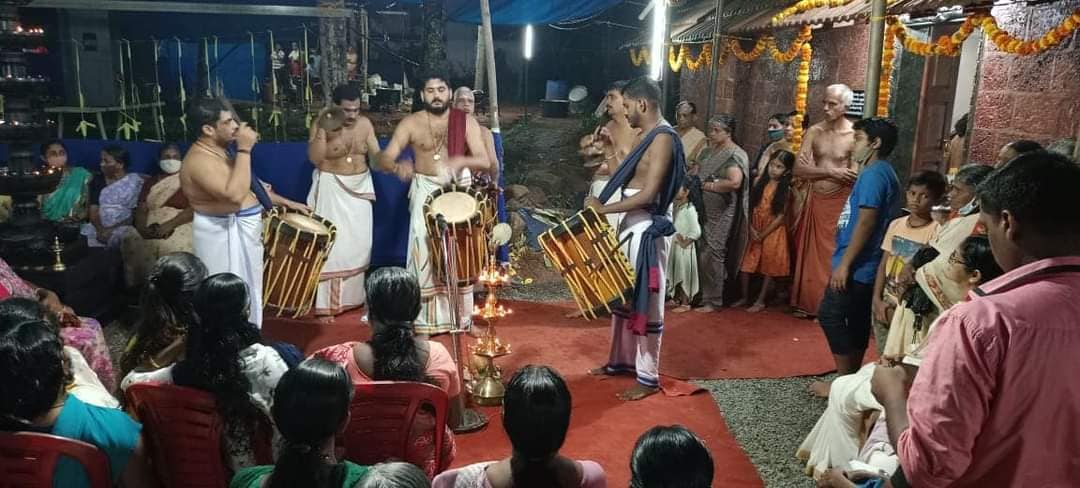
970,208
170,166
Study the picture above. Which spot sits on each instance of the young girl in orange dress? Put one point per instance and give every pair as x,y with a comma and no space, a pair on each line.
768,253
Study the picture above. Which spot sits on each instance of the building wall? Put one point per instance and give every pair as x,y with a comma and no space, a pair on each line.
1031,97
753,91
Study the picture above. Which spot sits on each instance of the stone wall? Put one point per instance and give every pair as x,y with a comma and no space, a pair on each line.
753,91
1031,97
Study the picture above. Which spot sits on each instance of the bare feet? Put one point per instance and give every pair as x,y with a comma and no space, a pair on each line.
682,309
637,392
739,304
705,309
326,319
821,389
835,478
756,307
801,314
573,315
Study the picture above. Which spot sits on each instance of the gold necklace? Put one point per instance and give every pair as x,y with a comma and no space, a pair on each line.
439,143
206,147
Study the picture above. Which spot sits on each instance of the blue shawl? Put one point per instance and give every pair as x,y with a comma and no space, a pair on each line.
647,272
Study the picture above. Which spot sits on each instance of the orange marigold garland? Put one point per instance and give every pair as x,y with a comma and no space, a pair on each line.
1012,45
802,85
888,57
676,59
804,5
639,57
793,51
756,52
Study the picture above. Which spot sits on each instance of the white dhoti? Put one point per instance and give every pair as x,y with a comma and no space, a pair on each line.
595,189
835,439
435,312
233,244
629,352
344,200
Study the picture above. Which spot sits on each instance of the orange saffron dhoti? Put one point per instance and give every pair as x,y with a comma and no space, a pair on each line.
815,243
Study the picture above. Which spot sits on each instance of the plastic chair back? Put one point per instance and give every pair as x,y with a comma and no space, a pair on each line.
183,432
382,417
28,460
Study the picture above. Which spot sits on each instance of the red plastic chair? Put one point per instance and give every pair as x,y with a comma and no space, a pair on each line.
183,434
382,417
28,459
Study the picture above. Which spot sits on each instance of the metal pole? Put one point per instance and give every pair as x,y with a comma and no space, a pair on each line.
493,85
714,66
525,98
481,51
665,70
873,64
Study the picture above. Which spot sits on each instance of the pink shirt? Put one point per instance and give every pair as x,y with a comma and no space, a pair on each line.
997,400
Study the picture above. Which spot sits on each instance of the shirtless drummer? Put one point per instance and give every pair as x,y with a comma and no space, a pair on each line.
444,143
342,191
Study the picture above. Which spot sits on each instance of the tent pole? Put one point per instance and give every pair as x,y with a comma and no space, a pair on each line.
364,34
714,65
489,46
481,52
873,67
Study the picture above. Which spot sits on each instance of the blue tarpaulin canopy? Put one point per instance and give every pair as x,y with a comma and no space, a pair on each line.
521,12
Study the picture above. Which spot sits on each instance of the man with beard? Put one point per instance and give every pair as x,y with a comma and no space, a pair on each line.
825,162
445,143
342,191
648,179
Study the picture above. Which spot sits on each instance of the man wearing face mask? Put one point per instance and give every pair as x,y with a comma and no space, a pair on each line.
162,219
846,308
445,143
341,144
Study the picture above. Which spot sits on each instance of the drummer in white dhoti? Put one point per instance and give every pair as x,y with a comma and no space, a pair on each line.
342,192
444,142
227,225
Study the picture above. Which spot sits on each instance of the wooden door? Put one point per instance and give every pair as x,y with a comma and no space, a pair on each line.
936,104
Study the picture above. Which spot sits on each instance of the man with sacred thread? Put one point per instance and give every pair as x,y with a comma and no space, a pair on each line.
648,180
227,198
447,144
342,191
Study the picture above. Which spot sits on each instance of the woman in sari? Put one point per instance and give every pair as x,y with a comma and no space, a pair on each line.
163,220
781,134
395,354
726,214
67,203
81,333
905,330
113,197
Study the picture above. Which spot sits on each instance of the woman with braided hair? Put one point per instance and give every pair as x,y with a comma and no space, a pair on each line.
394,353
536,417
165,312
311,407
223,356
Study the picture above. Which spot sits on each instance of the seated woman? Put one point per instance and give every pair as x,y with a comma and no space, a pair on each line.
34,398
835,439
311,407
84,382
114,194
69,201
223,356
165,313
395,354
162,218
395,475
669,456
82,333
536,416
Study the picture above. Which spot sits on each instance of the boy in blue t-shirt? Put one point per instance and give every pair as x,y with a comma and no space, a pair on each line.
847,307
